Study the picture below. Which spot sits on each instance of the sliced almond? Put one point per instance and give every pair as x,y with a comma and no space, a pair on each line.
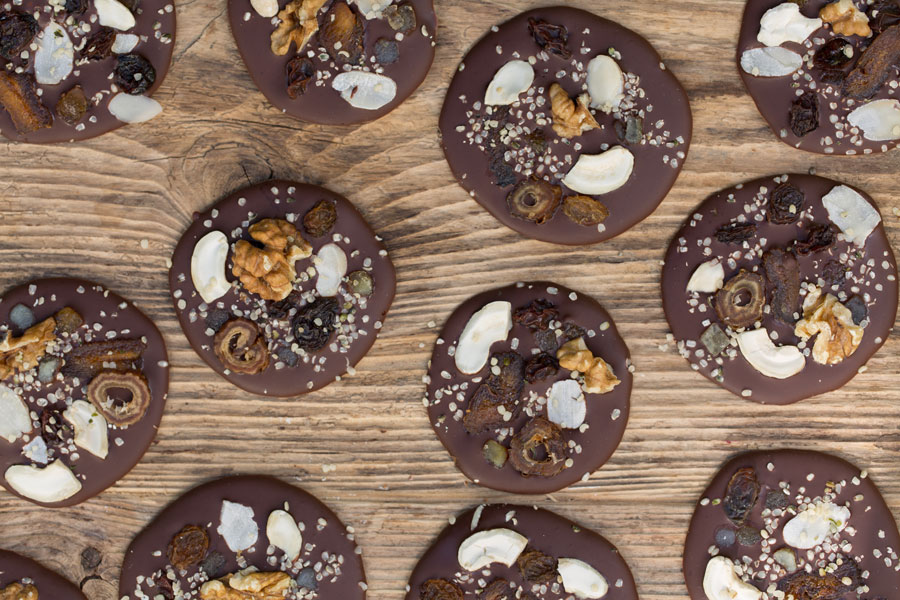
365,90
283,533
605,83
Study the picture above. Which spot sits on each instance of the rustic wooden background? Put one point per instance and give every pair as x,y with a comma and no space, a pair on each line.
112,209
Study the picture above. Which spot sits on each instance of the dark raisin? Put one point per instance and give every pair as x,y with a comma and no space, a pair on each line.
401,18
17,30
858,309
741,495
547,341
785,204
776,499
314,324
504,174
298,72
819,237
72,105
804,114
164,588
834,53
99,45
883,14
90,558
387,52
287,356
783,277
585,210
736,233
748,536
552,38
834,272
320,219
215,318
188,547
541,366
538,449
498,589
213,564
134,73
440,589
501,389
537,315
534,200
537,567
571,331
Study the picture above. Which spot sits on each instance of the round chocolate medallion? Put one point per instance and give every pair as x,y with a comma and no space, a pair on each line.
23,579
244,537
508,551
335,62
822,72
566,127
781,288
789,523
529,387
281,287
83,383
76,69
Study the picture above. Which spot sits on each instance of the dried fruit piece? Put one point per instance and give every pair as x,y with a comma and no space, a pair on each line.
540,367
534,200
536,315
875,65
188,547
537,567
552,38
495,453
17,30
736,233
76,7
241,348
585,210
857,308
387,52
822,585
836,52
314,324
631,131
86,360
499,589
785,204
748,536
571,118
320,219
741,495
783,275
19,99
342,34
99,45
401,18
72,105
498,395
884,13
538,449
440,589
504,174
122,397
804,114
360,283
134,73
740,303
298,72
819,237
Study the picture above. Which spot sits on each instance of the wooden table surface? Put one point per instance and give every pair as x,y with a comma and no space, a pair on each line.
111,209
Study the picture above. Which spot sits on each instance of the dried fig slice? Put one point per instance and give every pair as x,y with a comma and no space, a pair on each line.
86,360
440,589
585,210
541,366
122,397
740,303
538,449
534,200
785,204
241,348
741,495
342,34
783,275
875,65
501,390
822,585
19,98
537,567
188,547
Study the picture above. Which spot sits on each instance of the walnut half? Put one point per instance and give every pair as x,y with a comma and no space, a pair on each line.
846,19
570,118
246,585
269,272
17,591
837,335
299,22
598,375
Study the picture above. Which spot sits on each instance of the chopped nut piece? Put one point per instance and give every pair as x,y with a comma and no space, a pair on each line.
570,119
845,18
837,335
120,410
299,22
269,272
600,379
875,65
342,34
241,348
575,356
19,99
17,591
18,354
248,586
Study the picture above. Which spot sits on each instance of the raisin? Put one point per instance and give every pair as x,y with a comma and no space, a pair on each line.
804,114
99,45
55,430
314,324
17,30
537,567
537,315
538,449
387,52
534,200
585,210
188,547
134,73
858,310
748,536
298,72
540,367
401,18
72,105
498,589
741,495
282,309
834,272
783,275
819,237
776,499
504,175
320,219
440,589
740,303
216,318
499,390
164,588
785,204
552,38
213,564
571,331
736,233
835,53
883,14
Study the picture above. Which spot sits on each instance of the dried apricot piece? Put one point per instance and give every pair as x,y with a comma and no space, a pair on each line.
740,495
342,34
188,547
19,98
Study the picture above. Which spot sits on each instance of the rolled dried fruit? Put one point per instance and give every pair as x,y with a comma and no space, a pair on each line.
534,200
585,210
741,495
740,302
188,547
116,407
538,449
241,348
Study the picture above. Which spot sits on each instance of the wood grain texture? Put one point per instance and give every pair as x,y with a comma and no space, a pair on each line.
85,210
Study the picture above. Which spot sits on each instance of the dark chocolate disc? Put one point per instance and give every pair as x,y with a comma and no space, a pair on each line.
824,85
495,150
376,62
771,254
560,558
19,574
302,334
798,523
92,372
235,526
516,415
115,51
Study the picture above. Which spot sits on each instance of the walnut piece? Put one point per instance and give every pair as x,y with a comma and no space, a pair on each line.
299,22
846,19
23,353
599,378
17,591
570,119
825,317
269,272
248,585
